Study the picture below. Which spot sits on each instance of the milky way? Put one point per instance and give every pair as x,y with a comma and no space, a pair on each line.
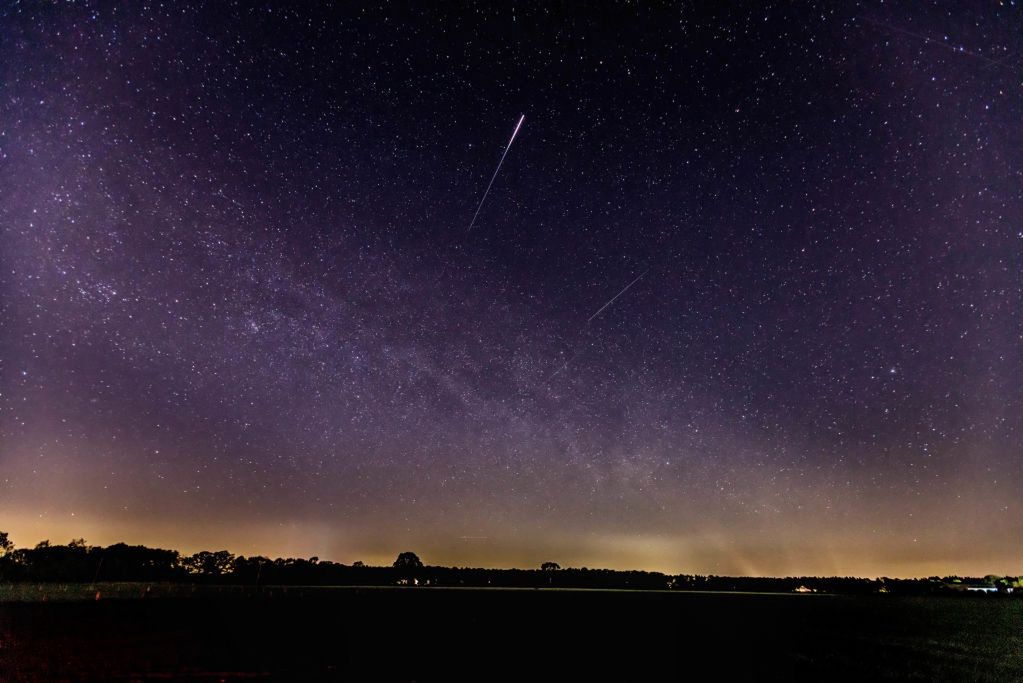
240,308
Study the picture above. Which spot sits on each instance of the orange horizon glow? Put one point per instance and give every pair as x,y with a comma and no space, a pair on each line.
714,555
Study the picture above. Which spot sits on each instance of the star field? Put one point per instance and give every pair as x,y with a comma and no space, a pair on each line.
240,307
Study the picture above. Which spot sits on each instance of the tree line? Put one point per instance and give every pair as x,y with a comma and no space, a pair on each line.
78,562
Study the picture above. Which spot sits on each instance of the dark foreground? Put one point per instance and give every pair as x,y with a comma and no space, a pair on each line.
446,634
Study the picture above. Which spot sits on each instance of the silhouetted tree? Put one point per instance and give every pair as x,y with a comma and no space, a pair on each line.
7,566
209,564
47,562
408,560
549,568
358,563
122,562
408,565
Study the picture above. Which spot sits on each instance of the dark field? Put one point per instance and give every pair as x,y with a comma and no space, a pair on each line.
445,634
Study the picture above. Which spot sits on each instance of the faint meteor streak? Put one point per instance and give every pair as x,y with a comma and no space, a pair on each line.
496,171
933,41
568,362
615,297
581,351
220,193
1002,60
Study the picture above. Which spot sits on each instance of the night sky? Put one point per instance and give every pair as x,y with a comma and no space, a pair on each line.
241,306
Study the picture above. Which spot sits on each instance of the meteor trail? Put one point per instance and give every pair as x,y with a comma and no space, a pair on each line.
568,362
494,177
564,366
933,41
626,288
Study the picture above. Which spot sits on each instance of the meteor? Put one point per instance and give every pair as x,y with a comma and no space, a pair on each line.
615,297
496,171
583,349
932,41
568,362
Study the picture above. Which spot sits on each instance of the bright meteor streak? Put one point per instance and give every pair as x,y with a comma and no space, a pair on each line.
496,171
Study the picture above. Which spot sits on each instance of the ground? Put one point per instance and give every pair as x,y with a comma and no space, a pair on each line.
446,634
